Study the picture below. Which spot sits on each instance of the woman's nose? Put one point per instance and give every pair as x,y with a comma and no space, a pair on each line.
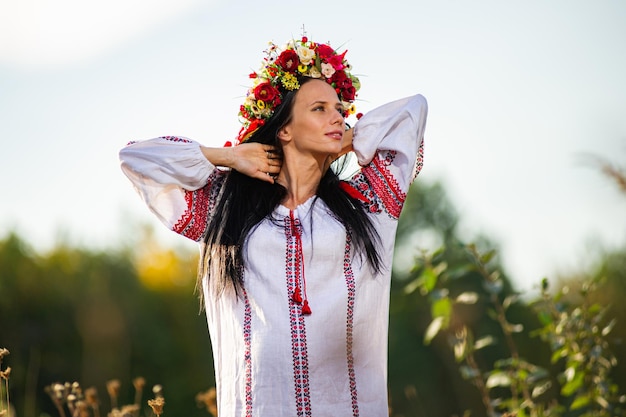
337,118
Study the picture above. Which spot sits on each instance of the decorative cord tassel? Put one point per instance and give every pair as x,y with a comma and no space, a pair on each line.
297,294
297,297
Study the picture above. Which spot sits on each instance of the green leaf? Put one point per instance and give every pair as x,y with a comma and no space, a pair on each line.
429,279
537,374
515,328
442,308
509,301
468,372
433,329
461,271
484,342
486,257
468,297
493,287
540,389
607,329
595,308
544,318
558,354
573,385
603,403
460,349
580,402
412,286
498,379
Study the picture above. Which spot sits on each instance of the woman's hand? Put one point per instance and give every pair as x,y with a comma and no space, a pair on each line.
252,159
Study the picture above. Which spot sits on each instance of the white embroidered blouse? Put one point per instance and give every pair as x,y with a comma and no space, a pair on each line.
270,359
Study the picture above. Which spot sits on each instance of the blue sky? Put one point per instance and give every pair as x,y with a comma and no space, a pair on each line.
518,91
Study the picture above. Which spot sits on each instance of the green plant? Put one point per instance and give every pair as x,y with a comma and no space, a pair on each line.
512,385
576,328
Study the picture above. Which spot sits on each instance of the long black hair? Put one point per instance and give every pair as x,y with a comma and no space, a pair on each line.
244,202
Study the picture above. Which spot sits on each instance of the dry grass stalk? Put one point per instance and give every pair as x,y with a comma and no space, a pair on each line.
4,409
208,399
157,405
113,388
139,383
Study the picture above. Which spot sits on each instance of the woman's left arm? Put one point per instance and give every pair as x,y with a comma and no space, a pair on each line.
388,143
390,139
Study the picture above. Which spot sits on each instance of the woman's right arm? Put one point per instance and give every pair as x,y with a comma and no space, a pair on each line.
178,180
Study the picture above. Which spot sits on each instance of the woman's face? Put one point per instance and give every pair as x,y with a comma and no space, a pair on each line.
317,124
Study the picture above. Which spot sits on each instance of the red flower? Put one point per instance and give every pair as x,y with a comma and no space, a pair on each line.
341,80
265,92
348,94
336,61
288,60
325,51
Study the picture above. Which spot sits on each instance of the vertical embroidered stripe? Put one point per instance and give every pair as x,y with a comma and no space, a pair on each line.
247,336
298,330
350,285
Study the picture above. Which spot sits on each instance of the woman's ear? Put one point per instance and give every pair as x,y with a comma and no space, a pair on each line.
284,133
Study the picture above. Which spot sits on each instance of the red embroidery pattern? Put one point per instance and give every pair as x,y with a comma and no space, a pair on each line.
193,222
298,329
419,162
350,285
384,185
247,337
176,139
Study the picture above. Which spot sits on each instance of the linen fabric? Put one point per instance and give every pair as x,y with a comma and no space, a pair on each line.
270,359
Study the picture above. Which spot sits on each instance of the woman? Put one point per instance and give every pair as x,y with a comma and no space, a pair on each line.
296,264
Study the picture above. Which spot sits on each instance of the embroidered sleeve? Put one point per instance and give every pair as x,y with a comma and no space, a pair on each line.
388,142
175,180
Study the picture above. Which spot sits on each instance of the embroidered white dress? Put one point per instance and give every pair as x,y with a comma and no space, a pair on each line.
270,359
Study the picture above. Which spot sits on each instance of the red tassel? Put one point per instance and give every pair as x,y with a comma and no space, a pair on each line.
351,191
305,307
297,297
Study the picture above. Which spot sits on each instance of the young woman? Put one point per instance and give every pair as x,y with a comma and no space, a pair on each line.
295,262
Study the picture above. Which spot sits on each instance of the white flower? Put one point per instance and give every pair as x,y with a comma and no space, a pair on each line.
327,70
305,54
314,73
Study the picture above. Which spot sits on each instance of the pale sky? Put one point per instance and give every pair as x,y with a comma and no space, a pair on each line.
517,92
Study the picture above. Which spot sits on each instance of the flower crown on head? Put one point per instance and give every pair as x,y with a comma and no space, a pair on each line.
280,71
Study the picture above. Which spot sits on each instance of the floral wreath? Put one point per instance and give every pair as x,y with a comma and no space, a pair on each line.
279,72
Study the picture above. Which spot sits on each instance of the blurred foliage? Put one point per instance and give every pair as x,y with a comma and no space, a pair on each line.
79,315
75,314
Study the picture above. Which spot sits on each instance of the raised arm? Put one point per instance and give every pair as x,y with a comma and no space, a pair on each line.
179,181
388,142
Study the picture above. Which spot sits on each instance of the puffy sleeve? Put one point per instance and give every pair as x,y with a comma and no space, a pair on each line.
177,183
389,143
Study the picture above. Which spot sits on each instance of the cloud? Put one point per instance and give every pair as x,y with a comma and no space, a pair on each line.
47,34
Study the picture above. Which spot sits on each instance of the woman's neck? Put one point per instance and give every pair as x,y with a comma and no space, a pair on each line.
301,177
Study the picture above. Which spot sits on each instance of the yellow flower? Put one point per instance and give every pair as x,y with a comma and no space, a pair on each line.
352,109
290,82
302,68
260,104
